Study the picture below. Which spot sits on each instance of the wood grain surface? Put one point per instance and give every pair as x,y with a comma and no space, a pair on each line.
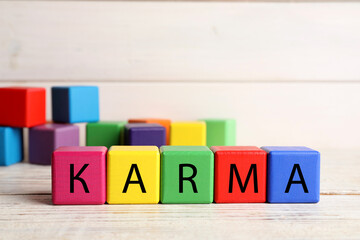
27,212
179,41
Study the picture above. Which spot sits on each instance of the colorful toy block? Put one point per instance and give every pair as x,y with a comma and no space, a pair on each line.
140,134
240,174
133,174
22,106
11,145
187,174
188,133
75,104
105,134
163,122
220,132
44,139
79,175
293,175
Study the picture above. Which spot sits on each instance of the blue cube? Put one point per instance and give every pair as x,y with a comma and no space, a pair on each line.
293,175
11,145
75,104
142,134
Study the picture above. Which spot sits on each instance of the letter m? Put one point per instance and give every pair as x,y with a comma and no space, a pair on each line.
252,170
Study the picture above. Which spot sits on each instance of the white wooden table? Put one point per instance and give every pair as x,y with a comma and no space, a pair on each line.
26,211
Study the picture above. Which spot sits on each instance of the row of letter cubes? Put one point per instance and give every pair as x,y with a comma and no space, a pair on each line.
25,107
44,139
185,174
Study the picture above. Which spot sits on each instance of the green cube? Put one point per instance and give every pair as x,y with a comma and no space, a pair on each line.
187,174
220,132
105,133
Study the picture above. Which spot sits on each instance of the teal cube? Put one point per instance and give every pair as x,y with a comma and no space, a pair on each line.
220,132
11,145
74,104
187,174
105,133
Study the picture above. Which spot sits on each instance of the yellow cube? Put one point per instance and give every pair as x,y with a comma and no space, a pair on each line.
188,133
133,174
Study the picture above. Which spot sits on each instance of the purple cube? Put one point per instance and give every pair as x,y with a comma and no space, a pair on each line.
141,134
44,139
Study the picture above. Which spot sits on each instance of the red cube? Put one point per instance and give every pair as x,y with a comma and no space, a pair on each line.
240,174
22,106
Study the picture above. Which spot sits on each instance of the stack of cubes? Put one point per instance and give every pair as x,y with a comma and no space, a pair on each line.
20,107
25,107
70,105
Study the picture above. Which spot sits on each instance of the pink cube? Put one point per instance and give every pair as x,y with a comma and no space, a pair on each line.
79,175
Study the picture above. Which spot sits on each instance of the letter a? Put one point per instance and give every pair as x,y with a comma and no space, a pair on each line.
291,181
133,168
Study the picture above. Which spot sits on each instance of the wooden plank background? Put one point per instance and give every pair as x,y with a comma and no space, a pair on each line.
289,72
182,41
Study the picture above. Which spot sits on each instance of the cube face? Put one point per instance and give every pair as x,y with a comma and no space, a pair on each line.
60,104
187,174
163,122
44,139
293,175
22,107
142,134
188,134
105,134
133,174
11,145
78,175
240,174
75,104
220,132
